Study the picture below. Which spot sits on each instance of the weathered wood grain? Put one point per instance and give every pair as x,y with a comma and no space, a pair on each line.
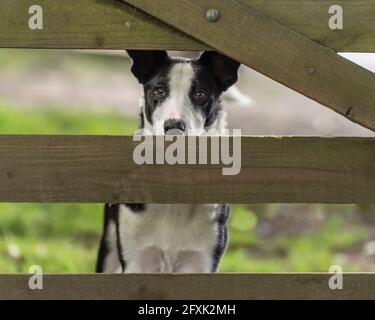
101,169
189,286
276,51
106,24
310,19
87,24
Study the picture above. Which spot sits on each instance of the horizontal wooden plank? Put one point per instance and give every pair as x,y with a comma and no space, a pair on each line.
87,24
102,169
189,286
108,24
277,52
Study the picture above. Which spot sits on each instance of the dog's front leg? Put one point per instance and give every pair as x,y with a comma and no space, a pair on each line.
148,260
192,262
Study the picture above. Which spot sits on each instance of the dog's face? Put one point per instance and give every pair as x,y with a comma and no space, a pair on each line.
181,94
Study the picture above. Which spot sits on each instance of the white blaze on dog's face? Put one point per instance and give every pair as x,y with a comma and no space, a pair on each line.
176,110
182,95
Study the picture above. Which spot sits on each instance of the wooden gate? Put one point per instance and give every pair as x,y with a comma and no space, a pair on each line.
288,41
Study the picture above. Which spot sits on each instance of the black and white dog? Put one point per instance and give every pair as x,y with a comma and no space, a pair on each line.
182,95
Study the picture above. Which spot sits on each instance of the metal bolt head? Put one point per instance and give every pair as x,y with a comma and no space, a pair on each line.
213,14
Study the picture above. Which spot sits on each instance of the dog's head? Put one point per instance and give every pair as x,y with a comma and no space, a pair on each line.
182,94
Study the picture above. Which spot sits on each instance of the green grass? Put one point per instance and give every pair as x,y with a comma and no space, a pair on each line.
24,61
297,251
60,238
15,120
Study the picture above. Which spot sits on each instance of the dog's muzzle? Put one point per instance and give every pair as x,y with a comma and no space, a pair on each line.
174,127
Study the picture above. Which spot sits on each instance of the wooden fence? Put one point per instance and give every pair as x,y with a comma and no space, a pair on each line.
287,40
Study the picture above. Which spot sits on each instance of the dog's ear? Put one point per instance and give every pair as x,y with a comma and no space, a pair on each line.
223,69
146,63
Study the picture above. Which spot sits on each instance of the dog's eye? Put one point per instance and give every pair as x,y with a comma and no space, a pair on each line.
160,92
200,95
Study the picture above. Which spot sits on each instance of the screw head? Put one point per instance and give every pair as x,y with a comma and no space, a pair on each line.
213,14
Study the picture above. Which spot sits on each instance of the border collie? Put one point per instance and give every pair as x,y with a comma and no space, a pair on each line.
179,95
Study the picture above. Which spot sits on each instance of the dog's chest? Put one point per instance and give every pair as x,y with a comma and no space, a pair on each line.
170,227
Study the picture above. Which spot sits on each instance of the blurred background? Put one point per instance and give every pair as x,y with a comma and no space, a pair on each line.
89,92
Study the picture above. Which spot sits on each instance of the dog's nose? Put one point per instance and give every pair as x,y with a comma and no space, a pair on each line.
174,126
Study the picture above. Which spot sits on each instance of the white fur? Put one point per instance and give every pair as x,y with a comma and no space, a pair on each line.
169,238
235,95
178,104
112,263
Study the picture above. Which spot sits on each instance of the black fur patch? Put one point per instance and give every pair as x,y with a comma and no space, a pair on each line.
222,236
161,79
136,207
147,63
110,216
119,246
142,119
